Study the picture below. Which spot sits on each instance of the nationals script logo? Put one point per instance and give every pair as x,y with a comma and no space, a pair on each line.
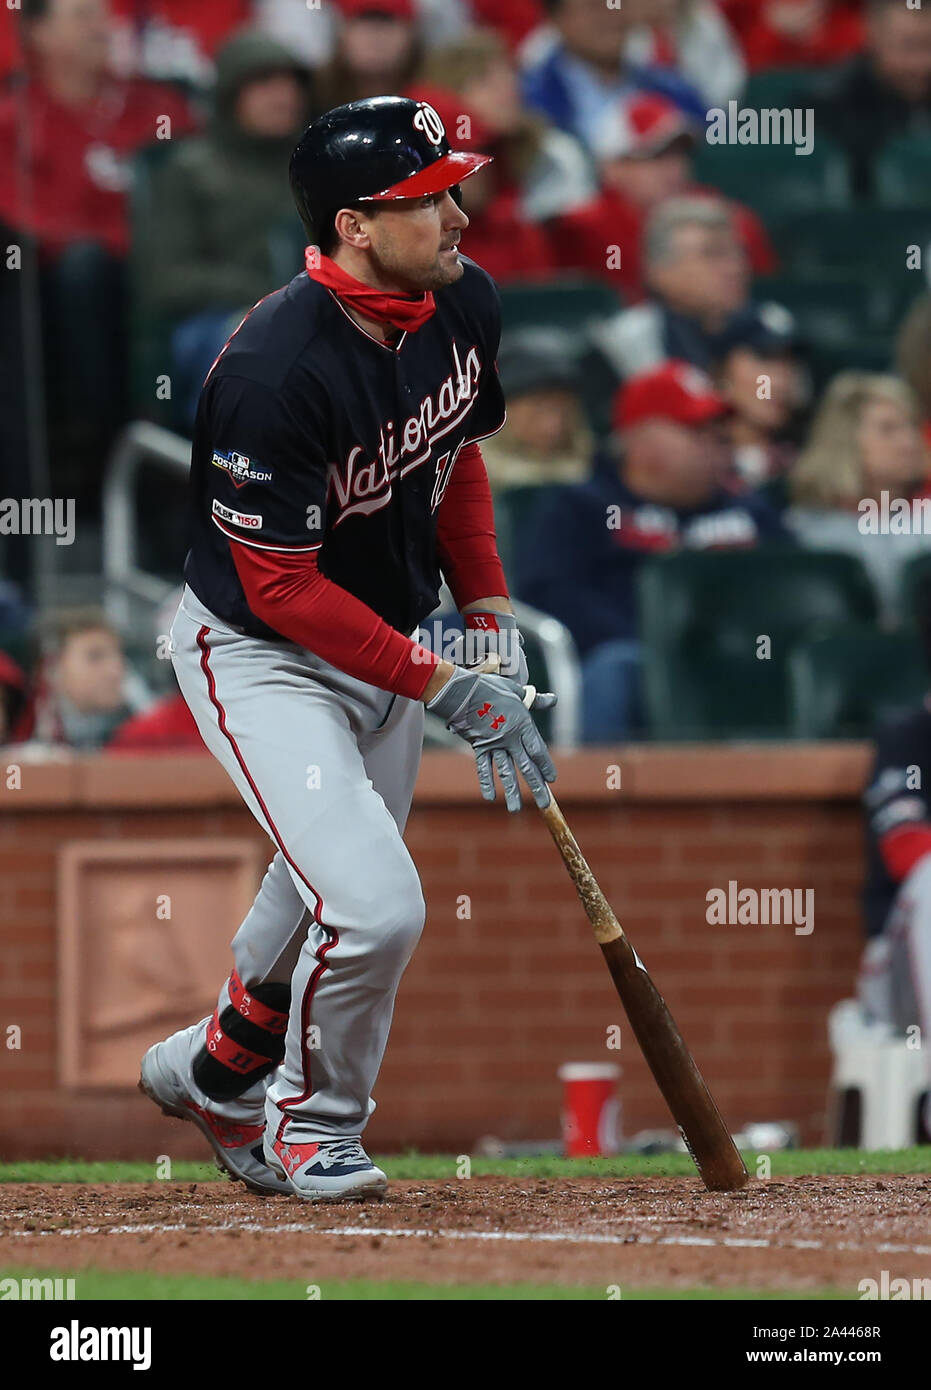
363,486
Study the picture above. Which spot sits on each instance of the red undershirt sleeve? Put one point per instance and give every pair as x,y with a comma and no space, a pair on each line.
290,595
466,540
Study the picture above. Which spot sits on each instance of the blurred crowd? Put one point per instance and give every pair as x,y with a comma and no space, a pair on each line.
686,352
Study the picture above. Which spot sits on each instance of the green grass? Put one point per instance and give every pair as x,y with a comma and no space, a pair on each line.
426,1167
139,1285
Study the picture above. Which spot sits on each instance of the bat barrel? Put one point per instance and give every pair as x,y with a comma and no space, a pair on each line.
693,1108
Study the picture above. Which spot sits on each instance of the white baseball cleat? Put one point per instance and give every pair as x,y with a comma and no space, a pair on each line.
234,1131
328,1170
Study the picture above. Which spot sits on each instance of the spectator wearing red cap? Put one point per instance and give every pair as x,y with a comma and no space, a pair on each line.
796,33
378,49
644,151
692,36
513,21
698,275
546,167
665,489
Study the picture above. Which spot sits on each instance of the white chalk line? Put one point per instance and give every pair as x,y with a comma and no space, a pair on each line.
526,1237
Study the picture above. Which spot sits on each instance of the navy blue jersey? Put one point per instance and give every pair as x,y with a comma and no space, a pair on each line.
311,435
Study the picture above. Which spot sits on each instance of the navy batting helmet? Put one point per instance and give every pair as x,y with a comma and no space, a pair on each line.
375,151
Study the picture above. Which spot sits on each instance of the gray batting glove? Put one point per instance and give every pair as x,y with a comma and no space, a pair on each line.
488,633
492,713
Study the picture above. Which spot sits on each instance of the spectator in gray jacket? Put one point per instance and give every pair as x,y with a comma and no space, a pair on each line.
222,231
698,274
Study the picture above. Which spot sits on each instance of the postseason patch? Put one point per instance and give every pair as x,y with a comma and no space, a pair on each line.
240,468
249,521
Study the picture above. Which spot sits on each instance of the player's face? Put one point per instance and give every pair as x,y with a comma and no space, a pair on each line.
414,242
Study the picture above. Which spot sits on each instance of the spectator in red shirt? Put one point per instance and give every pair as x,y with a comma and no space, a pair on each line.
76,128
67,135
796,33
644,148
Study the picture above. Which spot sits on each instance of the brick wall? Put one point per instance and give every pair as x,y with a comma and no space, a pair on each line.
494,1001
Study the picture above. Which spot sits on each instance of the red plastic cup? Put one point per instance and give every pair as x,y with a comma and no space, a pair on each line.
591,1109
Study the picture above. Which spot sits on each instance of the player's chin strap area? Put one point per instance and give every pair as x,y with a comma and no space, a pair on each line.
245,1041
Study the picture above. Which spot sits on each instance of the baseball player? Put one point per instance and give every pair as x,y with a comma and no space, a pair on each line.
335,477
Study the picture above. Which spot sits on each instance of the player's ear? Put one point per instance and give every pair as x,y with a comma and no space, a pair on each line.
348,224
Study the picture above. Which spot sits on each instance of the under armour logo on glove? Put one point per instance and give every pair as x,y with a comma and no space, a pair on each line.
509,742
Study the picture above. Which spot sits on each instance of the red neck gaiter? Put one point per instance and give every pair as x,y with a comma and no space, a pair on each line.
402,311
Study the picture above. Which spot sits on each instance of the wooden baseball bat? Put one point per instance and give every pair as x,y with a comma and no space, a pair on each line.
706,1136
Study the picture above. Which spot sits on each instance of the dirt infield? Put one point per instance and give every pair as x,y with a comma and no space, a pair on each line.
798,1233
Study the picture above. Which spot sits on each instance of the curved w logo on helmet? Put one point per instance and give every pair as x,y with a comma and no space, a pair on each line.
428,121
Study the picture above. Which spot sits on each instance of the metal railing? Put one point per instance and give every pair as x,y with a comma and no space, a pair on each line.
141,443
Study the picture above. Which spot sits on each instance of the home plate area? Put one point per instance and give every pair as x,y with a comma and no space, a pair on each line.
792,1234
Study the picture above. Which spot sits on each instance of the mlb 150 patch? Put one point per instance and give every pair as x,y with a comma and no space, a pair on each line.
250,521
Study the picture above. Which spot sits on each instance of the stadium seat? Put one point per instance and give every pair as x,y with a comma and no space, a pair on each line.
514,508
871,242
702,617
844,680
902,172
768,176
569,303
19,644
775,87
862,354
832,308
915,583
